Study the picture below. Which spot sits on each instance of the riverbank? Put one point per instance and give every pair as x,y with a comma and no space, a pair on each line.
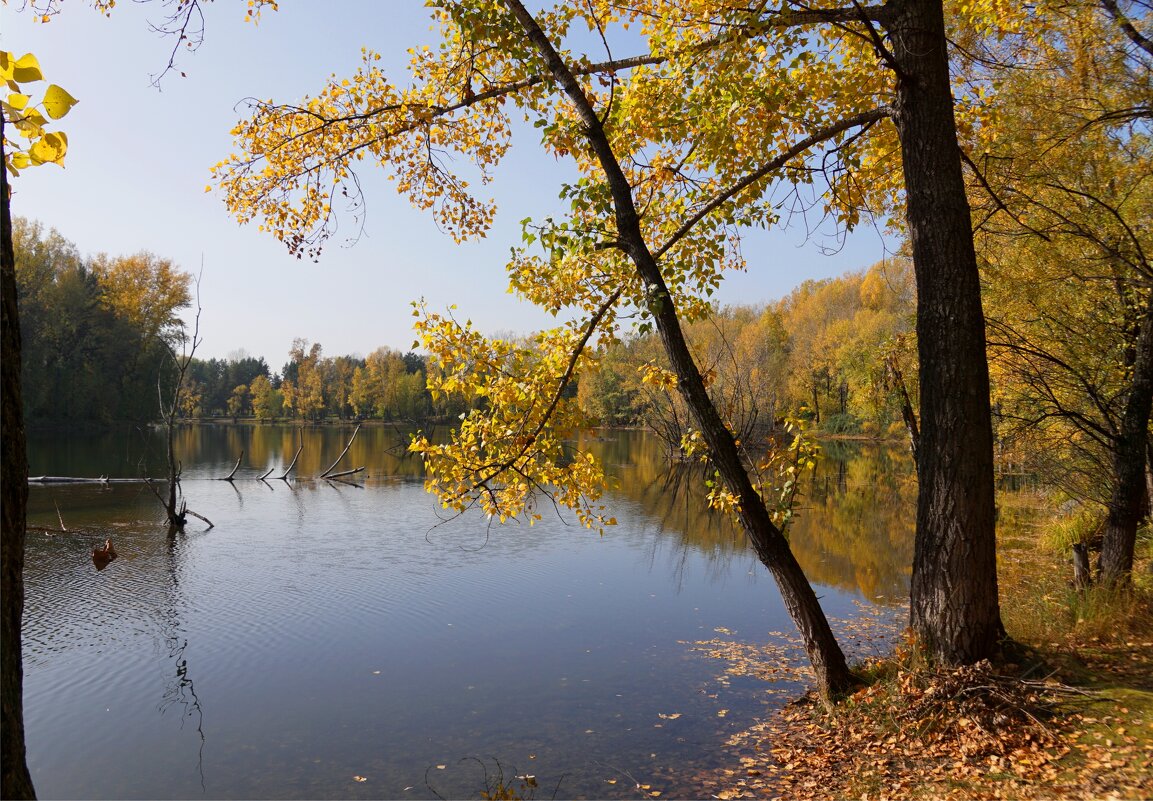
1070,715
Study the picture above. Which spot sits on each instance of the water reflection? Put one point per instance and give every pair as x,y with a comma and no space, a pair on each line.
179,690
323,631
853,528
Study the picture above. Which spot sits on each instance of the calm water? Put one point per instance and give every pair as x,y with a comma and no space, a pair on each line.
325,631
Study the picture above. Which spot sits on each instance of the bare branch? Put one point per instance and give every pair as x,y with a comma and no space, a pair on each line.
234,469
326,473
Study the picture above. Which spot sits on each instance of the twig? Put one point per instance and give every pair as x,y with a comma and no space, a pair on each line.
345,473
326,473
266,475
60,517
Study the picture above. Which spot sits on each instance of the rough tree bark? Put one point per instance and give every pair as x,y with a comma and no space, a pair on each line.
828,661
16,781
1129,451
955,611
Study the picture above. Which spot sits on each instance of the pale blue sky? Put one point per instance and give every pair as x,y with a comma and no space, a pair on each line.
138,163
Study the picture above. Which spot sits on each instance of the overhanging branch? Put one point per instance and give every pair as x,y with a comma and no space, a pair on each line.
864,119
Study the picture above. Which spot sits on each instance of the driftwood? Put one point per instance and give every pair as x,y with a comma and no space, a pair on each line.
328,473
266,475
188,511
342,474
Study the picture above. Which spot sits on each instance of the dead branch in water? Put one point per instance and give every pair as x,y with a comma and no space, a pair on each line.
200,517
328,473
234,469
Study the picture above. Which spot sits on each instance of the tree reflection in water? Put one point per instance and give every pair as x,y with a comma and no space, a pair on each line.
853,529
179,691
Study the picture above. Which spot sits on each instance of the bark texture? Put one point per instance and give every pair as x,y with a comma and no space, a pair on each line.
828,661
16,782
1129,452
955,611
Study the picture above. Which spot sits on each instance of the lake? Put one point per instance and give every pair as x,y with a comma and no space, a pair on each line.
352,640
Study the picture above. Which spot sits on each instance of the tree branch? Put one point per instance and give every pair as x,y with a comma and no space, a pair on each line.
866,119
1138,38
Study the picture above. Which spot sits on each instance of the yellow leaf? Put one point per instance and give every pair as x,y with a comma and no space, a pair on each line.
17,100
58,102
50,148
25,69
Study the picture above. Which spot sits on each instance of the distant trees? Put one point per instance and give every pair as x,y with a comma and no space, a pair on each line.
94,333
93,329
216,381
827,353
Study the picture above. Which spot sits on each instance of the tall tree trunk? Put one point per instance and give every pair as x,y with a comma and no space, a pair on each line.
16,781
1129,452
954,606
828,661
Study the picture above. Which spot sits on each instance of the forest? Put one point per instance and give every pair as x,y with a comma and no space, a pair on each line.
1008,148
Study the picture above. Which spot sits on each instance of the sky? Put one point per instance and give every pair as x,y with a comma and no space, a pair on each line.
138,163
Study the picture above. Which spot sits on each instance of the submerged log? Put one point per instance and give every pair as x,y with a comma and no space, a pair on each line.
84,480
231,475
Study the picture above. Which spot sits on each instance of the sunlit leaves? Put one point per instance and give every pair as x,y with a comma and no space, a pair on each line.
702,117
57,102
144,289
512,442
27,118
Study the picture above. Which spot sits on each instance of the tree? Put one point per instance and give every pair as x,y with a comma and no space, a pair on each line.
266,402
91,346
1062,163
43,147
239,400
677,149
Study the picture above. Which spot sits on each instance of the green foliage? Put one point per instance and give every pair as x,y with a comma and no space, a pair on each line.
841,423
215,381
92,351
1080,525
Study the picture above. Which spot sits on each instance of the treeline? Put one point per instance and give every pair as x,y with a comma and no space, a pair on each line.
99,335
95,330
386,385
838,353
